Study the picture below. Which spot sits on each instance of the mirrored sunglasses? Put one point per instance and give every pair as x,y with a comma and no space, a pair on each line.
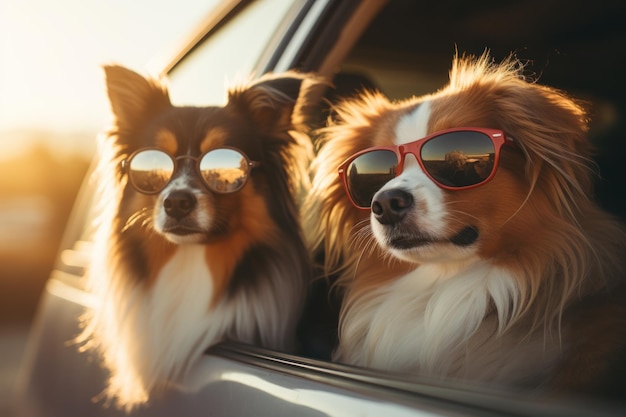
223,170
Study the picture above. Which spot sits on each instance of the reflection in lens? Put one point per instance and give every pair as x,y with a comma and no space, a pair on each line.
368,173
224,170
150,170
459,159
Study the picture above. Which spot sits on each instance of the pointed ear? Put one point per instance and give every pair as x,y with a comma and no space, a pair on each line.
133,98
273,101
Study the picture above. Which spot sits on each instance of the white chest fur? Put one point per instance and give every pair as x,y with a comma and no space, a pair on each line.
176,311
149,335
420,321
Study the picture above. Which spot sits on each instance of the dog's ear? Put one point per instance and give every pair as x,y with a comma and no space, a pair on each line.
133,98
277,102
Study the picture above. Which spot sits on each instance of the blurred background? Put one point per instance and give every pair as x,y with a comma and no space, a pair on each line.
52,105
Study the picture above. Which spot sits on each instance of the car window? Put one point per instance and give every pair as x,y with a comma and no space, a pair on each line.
407,50
228,55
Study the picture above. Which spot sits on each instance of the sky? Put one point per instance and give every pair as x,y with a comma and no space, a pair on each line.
51,53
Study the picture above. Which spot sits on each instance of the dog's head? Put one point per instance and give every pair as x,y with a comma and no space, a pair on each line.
200,174
508,187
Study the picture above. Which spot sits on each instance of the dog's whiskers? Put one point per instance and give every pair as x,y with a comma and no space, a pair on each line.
452,210
142,217
361,234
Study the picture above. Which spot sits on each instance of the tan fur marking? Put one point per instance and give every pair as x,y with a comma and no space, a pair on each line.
213,139
251,223
161,251
166,140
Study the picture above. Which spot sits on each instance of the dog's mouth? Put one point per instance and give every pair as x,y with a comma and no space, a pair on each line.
181,235
182,230
410,241
467,236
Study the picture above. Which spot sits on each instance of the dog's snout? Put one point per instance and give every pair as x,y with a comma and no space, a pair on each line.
390,206
178,204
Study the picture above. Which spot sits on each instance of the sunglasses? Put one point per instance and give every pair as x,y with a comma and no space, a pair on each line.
454,159
223,170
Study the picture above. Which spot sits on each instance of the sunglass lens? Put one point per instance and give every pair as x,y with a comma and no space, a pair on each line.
149,171
459,159
368,173
224,170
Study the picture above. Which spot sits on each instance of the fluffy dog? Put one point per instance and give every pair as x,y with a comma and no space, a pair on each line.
199,239
468,245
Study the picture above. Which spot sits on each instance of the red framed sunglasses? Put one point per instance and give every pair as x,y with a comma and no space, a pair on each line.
454,159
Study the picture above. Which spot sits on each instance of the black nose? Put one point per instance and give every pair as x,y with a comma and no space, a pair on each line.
390,206
178,204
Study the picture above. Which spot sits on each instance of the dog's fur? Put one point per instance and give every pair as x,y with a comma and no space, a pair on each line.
162,297
534,299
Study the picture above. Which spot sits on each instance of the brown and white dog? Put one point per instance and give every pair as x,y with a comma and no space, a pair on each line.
199,239
486,262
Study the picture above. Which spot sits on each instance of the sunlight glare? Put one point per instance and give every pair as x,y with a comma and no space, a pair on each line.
52,53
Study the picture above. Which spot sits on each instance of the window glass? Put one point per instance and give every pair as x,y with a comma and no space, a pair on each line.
227,56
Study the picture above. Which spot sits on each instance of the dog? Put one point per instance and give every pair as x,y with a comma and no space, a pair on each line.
463,233
199,239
